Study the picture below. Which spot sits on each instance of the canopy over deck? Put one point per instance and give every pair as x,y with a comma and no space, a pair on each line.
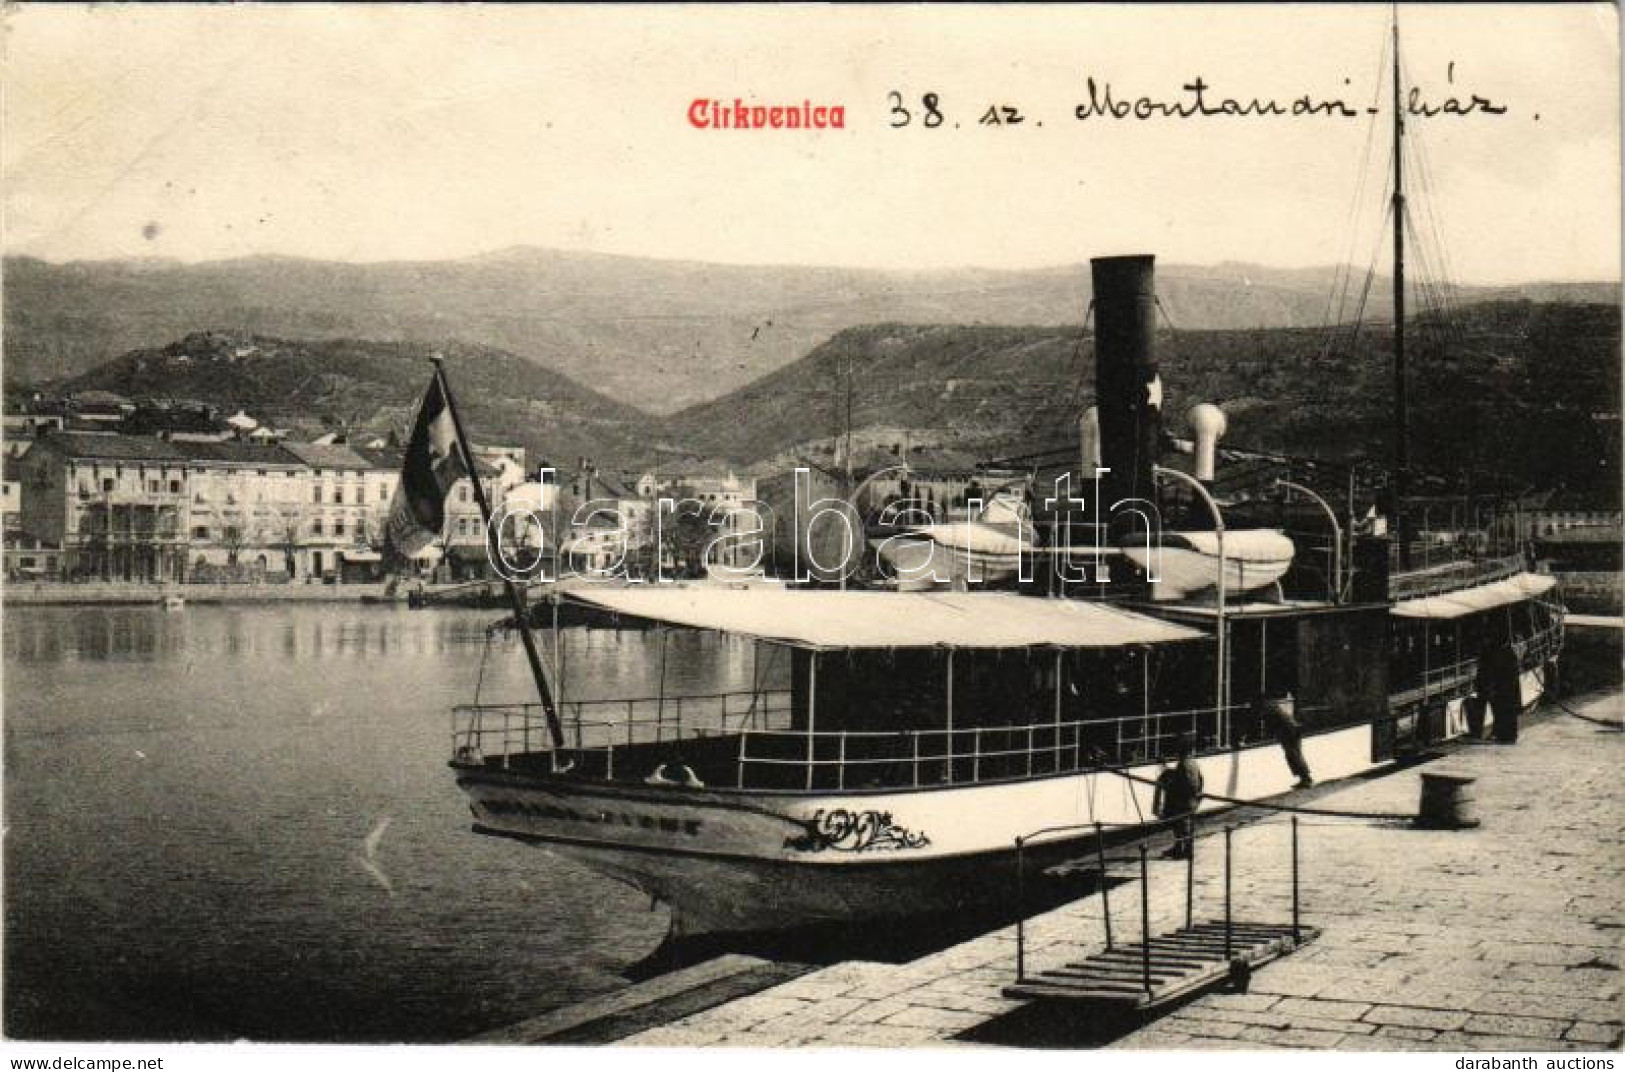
1465,601
833,620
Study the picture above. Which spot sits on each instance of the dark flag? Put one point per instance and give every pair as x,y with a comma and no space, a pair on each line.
432,465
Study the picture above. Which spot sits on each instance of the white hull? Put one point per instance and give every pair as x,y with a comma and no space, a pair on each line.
740,861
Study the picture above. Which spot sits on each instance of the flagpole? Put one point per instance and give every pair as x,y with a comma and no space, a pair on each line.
554,728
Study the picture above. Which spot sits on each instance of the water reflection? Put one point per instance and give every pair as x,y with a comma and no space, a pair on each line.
188,796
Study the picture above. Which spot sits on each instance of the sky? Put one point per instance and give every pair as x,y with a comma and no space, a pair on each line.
372,133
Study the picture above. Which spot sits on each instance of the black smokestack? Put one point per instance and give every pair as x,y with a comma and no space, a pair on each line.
1128,393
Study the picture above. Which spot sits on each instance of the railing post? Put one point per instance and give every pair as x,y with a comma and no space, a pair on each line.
1145,919
915,738
1190,883
1105,895
1021,914
1029,751
976,756
840,764
1227,941
1295,928
740,777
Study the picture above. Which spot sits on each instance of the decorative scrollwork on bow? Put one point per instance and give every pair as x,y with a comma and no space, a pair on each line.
840,830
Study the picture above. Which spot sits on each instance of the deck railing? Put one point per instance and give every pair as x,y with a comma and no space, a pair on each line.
770,754
1453,680
1453,575
849,759
481,731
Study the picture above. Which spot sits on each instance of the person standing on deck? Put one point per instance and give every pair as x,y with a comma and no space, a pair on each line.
1178,795
1496,682
1279,713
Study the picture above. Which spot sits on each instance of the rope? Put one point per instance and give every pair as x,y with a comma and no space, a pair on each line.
479,682
1549,689
1566,709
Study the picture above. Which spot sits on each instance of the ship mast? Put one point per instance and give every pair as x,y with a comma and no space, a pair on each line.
1401,476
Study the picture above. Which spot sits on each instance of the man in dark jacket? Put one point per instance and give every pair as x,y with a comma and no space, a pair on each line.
1279,714
1178,795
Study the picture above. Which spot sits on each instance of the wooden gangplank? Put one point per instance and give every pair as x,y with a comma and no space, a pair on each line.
1180,964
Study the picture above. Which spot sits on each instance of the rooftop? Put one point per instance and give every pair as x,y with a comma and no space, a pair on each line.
113,447
329,455
233,452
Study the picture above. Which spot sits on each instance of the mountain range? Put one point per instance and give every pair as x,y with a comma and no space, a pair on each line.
309,387
1529,390
657,335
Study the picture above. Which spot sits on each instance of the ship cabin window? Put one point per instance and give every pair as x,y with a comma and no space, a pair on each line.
1010,713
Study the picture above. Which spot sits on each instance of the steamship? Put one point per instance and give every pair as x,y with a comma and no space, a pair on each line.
894,745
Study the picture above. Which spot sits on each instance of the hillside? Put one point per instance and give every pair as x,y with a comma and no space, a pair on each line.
1526,388
375,386
659,335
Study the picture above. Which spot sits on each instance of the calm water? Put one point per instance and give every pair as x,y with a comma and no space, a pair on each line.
188,794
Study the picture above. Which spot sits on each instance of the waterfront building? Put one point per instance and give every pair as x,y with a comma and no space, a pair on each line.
110,507
727,501
464,536
25,556
26,419
343,532
246,512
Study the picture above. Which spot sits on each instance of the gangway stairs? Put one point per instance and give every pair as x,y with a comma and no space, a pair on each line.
1158,970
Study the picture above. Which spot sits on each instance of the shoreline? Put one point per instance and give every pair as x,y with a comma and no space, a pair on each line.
46,594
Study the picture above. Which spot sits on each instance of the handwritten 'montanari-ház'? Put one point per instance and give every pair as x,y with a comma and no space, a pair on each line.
1197,102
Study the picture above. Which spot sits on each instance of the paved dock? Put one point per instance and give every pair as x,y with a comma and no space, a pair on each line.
1507,937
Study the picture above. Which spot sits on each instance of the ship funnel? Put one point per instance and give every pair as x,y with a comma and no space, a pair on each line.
1207,423
1128,392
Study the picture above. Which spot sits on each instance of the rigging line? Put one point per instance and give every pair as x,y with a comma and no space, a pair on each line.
1434,231
1364,175
1356,211
1068,412
1358,323
1353,325
1345,273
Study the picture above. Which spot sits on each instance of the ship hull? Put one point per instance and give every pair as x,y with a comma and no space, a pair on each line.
737,862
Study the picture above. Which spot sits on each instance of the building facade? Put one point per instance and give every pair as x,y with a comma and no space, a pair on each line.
112,507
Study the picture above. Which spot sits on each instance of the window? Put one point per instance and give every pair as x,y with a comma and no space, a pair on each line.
338,527
155,486
316,493
107,483
383,493
200,532
338,495
316,527
174,487
462,493
262,472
